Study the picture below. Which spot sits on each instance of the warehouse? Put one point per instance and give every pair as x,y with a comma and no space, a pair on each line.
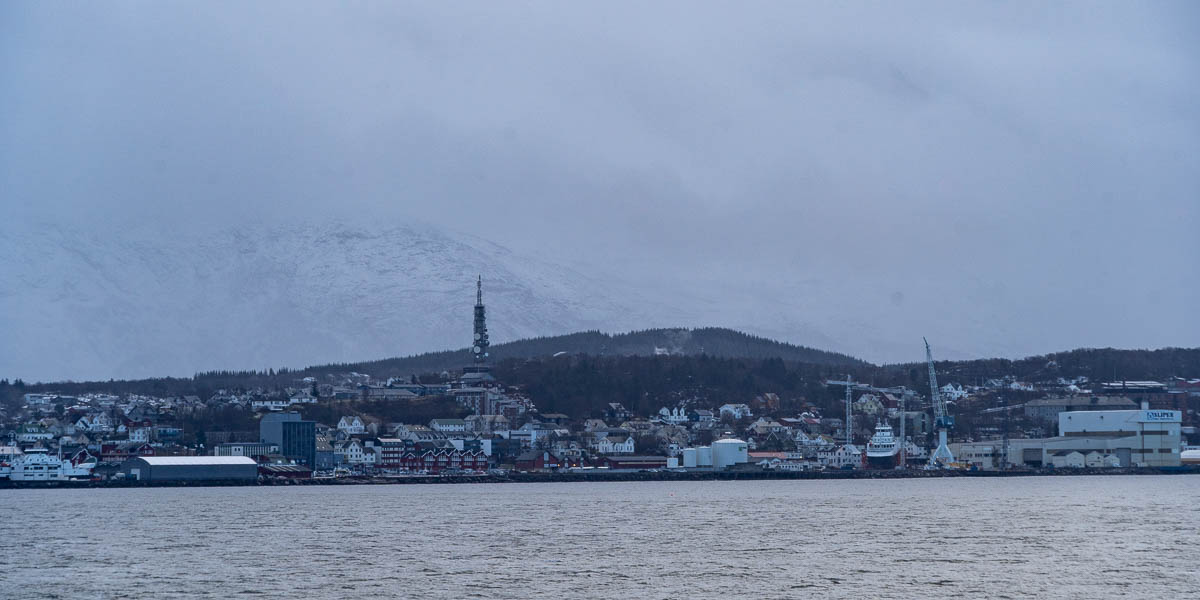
190,468
1128,438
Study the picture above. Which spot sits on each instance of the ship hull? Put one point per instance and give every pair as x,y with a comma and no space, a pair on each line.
883,461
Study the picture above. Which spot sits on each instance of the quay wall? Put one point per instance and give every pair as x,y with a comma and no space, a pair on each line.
516,477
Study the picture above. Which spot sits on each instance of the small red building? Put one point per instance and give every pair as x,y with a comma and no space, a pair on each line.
122,451
437,461
539,460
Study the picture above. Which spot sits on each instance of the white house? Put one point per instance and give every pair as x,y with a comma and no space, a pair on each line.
351,425
304,396
272,404
764,426
1071,460
868,404
594,424
738,411
953,391
448,425
349,452
33,399
672,416
97,423
32,433
613,444
848,455
1096,459
140,434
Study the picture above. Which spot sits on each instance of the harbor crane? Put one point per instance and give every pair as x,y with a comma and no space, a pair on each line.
942,419
850,385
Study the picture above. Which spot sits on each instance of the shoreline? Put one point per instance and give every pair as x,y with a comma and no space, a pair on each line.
735,475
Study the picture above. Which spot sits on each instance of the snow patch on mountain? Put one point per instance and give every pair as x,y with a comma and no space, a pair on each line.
138,301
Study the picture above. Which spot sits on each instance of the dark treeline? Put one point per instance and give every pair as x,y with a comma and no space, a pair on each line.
1097,364
582,383
583,386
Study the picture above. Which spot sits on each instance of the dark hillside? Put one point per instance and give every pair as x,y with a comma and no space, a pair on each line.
713,341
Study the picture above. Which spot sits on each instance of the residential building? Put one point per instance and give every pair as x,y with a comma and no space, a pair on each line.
448,425
352,425
485,424
841,457
735,411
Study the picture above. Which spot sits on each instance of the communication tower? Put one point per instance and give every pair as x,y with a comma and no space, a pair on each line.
479,347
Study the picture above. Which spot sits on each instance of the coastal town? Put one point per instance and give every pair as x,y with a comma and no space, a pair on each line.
491,428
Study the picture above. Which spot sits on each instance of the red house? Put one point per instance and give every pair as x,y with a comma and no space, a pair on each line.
437,461
539,460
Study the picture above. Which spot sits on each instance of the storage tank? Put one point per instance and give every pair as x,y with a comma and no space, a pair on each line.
689,457
673,462
729,452
704,456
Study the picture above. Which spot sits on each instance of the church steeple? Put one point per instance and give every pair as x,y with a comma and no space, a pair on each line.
480,346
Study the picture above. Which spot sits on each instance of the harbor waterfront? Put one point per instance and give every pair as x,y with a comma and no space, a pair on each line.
603,476
1062,537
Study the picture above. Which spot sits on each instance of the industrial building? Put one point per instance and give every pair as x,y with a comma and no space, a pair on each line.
295,437
250,449
1048,409
721,455
190,468
1128,438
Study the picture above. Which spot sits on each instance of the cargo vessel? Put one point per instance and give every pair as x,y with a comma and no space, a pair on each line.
883,449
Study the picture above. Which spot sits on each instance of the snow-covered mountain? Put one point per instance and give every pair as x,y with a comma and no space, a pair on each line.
138,301
122,300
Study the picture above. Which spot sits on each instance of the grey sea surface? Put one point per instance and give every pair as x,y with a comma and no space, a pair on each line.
1046,537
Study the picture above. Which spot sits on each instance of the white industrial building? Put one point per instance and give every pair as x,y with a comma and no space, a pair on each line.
1100,438
729,452
721,455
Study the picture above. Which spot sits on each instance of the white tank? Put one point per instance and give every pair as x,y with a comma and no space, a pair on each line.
673,462
729,452
704,456
689,457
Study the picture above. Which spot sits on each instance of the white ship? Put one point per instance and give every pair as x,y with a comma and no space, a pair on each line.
7,455
883,448
36,464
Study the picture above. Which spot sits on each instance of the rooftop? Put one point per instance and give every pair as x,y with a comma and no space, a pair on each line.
180,461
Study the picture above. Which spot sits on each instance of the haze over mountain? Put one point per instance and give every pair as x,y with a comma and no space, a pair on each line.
215,185
117,299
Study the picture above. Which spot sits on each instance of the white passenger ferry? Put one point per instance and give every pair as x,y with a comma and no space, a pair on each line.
36,464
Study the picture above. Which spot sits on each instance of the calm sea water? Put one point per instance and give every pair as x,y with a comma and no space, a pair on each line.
1063,537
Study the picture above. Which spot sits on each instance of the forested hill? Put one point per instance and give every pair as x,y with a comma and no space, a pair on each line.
713,341
1097,364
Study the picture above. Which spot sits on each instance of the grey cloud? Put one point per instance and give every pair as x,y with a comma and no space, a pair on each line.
1005,169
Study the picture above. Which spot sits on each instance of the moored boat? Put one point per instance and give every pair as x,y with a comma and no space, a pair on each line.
883,449
37,464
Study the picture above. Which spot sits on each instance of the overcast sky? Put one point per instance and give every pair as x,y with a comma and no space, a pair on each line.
1040,157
